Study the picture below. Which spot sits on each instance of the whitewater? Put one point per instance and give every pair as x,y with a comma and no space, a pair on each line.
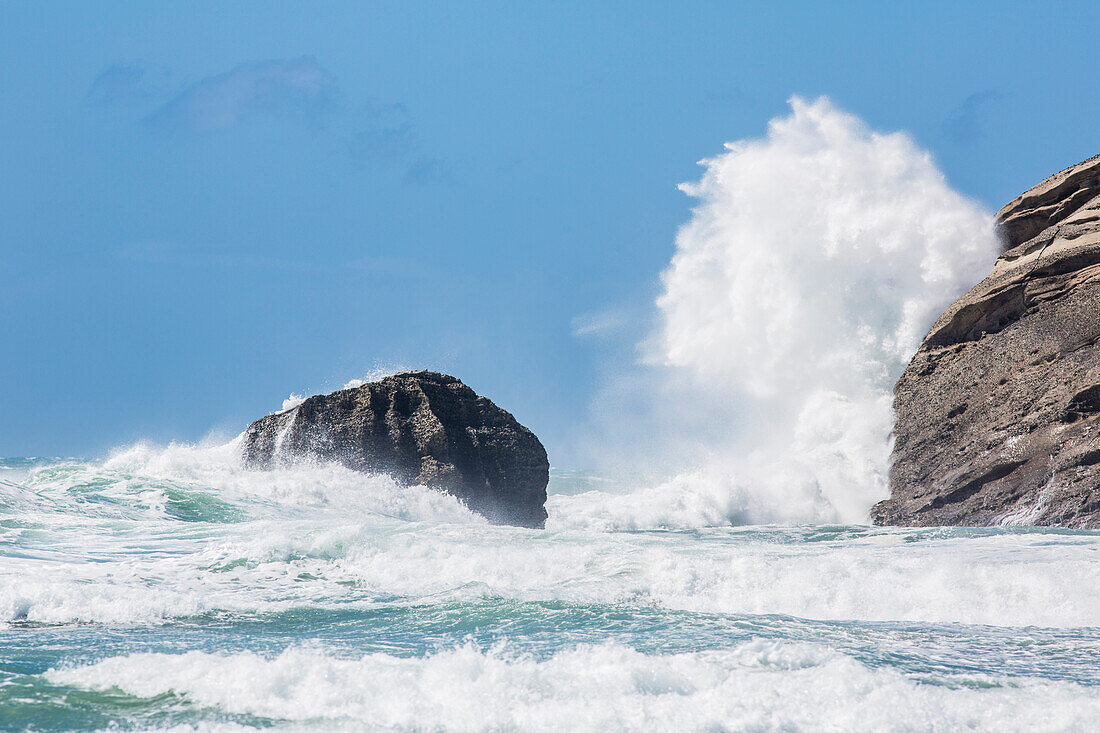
168,588
736,586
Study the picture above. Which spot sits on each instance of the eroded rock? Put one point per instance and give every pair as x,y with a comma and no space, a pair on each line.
998,414
421,428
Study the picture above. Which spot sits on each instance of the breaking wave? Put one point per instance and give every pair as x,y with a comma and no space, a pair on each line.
587,688
156,534
814,262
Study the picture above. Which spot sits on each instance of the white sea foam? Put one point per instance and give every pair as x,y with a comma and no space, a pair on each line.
375,374
815,261
590,688
160,533
326,488
291,402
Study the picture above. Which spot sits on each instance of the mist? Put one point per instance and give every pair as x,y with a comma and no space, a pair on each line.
814,262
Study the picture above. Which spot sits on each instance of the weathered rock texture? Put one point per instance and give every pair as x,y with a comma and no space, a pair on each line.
998,414
421,428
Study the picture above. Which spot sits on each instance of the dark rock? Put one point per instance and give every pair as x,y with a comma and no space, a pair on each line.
998,414
421,428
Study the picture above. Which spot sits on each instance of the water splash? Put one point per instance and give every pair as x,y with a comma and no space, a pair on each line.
814,262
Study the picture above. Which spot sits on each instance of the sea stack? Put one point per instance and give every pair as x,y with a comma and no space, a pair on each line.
420,427
998,414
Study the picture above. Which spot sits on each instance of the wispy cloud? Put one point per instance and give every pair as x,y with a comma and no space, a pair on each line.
605,322
385,144
374,135
162,253
127,81
159,252
965,125
296,88
430,169
386,136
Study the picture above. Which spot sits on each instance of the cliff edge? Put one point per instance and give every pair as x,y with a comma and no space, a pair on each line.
998,413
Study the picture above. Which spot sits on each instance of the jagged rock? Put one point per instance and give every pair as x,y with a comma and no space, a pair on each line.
421,428
998,414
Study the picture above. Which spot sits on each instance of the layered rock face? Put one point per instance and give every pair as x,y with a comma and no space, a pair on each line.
998,414
421,428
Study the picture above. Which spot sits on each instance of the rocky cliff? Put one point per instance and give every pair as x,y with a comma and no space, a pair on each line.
998,414
421,428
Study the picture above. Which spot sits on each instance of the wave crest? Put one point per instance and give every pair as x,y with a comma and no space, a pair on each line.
814,262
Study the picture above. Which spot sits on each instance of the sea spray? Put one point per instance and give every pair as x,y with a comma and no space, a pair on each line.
813,264
155,534
170,587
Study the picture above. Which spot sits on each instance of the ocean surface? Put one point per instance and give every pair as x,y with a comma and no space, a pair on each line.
168,588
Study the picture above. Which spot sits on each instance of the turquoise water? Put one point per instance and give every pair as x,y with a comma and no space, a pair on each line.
167,588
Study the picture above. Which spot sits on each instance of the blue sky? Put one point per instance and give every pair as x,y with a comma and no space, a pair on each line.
208,206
